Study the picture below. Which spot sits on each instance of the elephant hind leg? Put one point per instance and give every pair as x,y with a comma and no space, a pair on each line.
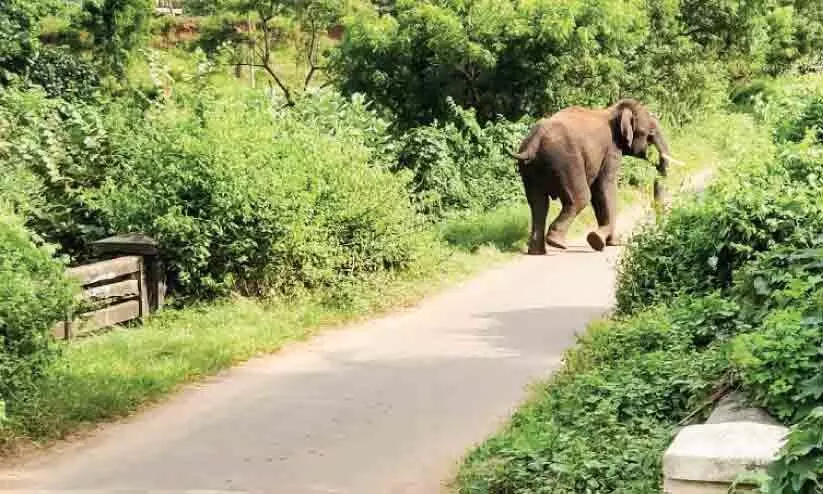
574,199
539,205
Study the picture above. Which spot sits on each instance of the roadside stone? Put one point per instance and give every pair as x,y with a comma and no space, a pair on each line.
708,458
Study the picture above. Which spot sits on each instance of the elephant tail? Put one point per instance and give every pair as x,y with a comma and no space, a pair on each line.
529,146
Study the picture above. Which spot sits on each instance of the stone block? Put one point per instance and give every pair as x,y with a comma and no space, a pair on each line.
721,452
732,409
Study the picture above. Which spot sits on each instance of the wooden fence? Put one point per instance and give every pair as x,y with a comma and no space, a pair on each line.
127,286
168,7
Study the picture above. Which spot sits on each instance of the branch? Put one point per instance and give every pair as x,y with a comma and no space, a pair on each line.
286,92
312,52
266,65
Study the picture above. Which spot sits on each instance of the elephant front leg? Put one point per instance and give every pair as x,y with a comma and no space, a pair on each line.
604,203
539,205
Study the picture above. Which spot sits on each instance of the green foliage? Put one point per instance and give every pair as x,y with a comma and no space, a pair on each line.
506,228
779,279
117,28
461,165
799,470
779,365
268,24
34,295
55,150
17,36
530,58
810,120
700,245
62,74
490,55
244,196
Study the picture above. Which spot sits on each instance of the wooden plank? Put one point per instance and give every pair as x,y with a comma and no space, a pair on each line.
106,270
144,293
119,290
109,316
131,244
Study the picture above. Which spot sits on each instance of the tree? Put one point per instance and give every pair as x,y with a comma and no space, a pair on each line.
270,22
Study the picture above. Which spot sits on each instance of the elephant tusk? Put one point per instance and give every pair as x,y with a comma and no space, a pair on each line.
676,162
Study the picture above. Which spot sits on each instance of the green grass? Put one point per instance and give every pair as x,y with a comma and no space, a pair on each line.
115,374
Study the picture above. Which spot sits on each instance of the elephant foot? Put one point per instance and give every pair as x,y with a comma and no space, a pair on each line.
536,248
614,241
556,240
595,241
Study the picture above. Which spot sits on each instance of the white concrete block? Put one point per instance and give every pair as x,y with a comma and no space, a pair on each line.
719,452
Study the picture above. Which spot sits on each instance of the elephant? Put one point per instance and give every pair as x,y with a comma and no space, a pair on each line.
575,155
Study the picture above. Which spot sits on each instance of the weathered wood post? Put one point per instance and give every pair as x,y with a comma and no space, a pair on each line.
138,244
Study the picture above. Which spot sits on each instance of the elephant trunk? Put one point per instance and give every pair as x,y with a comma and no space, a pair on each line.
659,141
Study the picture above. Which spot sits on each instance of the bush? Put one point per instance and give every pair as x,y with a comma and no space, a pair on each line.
779,365
62,74
56,150
810,120
461,165
700,245
243,196
34,295
799,470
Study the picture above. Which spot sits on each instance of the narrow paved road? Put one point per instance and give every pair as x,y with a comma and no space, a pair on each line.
385,407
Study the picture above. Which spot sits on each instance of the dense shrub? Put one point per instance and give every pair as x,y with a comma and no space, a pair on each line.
116,28
699,246
34,295
462,165
241,195
810,120
18,27
516,58
63,74
779,365
57,150
799,470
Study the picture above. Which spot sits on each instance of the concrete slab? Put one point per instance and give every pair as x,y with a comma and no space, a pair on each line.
720,452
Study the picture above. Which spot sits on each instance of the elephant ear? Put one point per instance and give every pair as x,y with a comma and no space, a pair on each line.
626,125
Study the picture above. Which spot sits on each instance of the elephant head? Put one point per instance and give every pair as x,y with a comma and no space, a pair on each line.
635,129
